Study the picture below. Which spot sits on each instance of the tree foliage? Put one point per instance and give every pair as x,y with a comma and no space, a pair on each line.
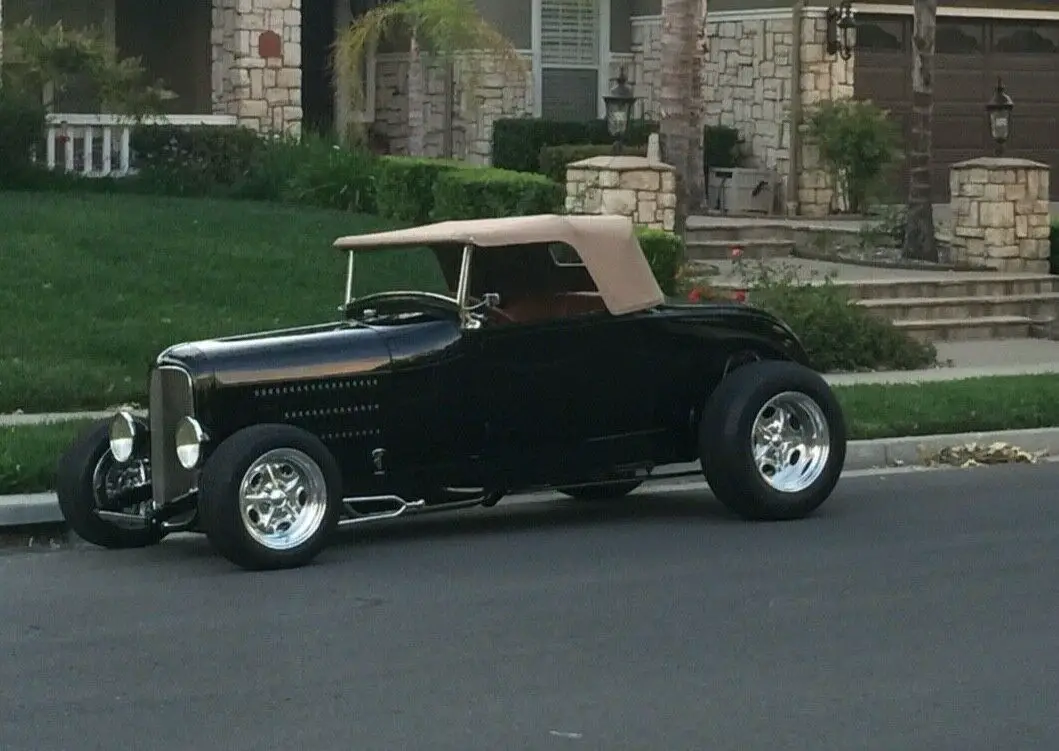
35,57
442,29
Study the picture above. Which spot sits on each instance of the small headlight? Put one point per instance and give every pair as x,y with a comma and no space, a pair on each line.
122,436
189,439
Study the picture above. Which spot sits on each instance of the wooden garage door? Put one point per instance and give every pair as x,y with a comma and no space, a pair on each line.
969,56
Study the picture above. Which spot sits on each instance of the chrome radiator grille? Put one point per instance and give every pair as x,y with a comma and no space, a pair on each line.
171,399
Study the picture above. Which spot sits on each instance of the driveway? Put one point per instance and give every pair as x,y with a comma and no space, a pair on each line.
915,611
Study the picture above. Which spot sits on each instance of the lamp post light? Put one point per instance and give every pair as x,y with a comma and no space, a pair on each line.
999,110
841,30
618,105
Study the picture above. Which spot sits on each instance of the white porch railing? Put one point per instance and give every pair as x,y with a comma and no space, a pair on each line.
70,142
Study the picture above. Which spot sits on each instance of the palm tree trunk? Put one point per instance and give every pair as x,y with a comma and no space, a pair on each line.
919,230
681,101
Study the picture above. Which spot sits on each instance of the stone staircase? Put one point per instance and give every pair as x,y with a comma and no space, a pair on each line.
1000,306
934,306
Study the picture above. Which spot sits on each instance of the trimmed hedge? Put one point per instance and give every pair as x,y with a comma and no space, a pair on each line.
553,159
21,125
404,188
518,142
195,161
485,192
665,254
1054,255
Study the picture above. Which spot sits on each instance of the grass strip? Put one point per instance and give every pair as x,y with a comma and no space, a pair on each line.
94,286
28,454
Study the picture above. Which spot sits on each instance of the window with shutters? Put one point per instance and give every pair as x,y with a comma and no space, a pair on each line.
570,53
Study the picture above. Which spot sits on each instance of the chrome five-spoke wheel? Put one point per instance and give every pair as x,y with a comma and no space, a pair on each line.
283,499
791,441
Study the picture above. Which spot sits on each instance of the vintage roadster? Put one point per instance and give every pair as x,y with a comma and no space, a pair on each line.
554,363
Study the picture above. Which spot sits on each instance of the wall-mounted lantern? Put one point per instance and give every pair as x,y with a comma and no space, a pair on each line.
841,30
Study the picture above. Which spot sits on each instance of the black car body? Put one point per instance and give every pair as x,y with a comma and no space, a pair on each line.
555,364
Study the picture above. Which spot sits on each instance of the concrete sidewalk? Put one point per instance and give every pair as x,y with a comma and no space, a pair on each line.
43,508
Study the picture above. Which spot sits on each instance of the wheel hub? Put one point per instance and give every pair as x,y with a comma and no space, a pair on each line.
283,499
791,442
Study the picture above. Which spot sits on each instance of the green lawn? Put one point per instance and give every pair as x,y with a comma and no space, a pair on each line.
28,454
95,285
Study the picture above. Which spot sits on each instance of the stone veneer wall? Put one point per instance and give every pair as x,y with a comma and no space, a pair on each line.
263,92
498,95
1000,212
749,79
823,77
631,186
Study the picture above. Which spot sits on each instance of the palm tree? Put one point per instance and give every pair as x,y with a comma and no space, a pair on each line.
681,100
439,29
919,228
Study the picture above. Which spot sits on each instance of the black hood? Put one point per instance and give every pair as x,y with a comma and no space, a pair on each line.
295,354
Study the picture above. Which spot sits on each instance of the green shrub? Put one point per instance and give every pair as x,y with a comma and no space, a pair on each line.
331,176
195,161
22,123
838,334
553,159
859,143
1054,255
665,254
489,192
404,187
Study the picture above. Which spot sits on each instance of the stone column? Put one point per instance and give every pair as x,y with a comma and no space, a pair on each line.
1000,213
822,77
631,186
257,76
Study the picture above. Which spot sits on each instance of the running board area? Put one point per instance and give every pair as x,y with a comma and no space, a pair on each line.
401,506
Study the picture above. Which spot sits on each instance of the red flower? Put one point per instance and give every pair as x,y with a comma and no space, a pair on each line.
695,295
739,295
736,251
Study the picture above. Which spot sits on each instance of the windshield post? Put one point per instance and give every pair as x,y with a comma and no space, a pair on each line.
464,284
349,279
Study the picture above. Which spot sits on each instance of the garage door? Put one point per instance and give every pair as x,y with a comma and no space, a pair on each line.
970,54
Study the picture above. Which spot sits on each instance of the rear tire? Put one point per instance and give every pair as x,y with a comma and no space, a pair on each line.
78,473
269,497
772,441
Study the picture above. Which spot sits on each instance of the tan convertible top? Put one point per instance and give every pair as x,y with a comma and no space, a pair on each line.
606,244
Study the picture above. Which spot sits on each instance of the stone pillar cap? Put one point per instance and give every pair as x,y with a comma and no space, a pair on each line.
620,163
997,162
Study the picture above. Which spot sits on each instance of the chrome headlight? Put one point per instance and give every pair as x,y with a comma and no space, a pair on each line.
189,440
123,434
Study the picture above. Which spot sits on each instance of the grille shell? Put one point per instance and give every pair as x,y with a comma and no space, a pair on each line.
171,399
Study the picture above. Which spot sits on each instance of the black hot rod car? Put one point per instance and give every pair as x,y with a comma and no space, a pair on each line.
554,363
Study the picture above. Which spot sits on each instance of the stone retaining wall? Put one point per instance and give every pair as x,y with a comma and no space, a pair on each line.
1000,213
631,186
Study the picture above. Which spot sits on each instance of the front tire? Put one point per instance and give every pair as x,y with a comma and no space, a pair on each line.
82,478
772,441
269,497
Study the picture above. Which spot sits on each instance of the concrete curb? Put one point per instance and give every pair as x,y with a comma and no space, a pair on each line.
43,508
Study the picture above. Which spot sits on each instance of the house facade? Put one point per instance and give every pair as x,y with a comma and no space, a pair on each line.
265,63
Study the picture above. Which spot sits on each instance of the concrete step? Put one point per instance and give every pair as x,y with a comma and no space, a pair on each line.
968,329
1036,306
721,250
988,285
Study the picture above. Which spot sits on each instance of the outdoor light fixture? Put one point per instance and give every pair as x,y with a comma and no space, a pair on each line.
841,30
999,111
619,109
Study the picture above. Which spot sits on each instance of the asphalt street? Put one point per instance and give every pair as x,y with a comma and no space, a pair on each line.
914,611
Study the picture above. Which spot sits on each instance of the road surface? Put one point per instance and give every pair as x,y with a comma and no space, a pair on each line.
915,611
